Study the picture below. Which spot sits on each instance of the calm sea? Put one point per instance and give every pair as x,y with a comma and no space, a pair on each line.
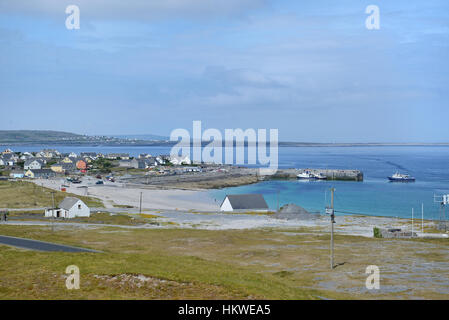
374,196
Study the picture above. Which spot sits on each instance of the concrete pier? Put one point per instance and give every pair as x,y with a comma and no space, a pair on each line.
331,174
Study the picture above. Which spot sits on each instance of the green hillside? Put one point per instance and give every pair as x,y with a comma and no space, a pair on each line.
23,136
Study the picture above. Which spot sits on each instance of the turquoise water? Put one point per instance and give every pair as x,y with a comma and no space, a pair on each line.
374,196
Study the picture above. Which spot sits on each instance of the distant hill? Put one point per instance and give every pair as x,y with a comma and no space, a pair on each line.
33,136
21,137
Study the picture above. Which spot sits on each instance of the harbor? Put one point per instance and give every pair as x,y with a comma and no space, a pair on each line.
328,174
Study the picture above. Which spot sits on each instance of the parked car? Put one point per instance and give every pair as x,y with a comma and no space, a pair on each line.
98,177
99,182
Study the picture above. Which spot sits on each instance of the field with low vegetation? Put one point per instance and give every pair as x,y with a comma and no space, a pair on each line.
228,264
24,194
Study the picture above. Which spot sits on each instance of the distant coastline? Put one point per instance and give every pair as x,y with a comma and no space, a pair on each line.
48,137
172,143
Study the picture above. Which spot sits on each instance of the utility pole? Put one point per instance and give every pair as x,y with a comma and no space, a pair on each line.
330,211
412,220
422,217
53,210
140,210
278,200
53,198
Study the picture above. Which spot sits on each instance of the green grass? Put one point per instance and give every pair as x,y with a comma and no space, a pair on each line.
107,218
226,264
23,194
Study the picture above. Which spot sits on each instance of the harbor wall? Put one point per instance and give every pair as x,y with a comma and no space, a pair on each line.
331,174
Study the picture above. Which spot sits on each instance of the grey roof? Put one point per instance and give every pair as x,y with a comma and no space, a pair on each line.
68,203
29,161
247,201
42,171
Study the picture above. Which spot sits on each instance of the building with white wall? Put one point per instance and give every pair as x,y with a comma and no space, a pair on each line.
69,208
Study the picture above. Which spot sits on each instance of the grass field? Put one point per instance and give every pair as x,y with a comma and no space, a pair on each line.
23,194
203,264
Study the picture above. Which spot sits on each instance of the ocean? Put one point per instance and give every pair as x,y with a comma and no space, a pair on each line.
374,196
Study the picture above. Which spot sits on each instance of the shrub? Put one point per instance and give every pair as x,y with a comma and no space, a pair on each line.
377,233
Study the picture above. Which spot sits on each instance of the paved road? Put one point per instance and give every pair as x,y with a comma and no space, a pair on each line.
40,245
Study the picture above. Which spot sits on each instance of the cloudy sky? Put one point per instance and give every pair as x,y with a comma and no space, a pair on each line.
308,68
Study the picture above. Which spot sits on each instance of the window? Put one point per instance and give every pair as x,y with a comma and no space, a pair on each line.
79,207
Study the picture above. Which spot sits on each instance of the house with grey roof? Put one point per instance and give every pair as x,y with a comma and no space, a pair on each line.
128,163
244,202
40,173
70,207
33,164
119,156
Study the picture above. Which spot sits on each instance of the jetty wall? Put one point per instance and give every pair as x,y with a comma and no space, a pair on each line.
331,174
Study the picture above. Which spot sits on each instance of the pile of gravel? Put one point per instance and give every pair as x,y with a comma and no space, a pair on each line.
293,211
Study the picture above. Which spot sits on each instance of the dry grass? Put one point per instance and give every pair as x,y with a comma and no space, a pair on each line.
23,194
271,263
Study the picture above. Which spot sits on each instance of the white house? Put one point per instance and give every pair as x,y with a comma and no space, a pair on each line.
33,164
70,207
244,202
177,160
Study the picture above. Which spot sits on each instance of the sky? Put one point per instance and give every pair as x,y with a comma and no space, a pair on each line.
310,69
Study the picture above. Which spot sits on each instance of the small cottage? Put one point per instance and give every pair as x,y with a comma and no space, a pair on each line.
244,202
69,208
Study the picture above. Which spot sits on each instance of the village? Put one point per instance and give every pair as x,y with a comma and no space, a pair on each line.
50,163
73,173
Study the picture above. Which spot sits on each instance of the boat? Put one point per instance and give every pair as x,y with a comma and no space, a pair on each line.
401,177
319,176
305,175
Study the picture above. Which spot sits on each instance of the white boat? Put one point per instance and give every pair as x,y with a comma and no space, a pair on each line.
305,175
401,177
319,176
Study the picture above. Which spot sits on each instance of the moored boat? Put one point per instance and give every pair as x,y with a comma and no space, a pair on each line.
305,175
319,176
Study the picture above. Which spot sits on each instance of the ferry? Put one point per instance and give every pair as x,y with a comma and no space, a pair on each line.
401,177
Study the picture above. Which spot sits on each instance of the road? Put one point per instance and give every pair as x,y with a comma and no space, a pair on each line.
39,245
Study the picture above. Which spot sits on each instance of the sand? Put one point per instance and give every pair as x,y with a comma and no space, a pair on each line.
118,194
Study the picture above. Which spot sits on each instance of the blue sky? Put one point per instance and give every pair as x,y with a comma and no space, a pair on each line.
308,68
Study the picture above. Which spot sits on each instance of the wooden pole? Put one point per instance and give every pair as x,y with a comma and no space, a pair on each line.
140,210
332,228
422,217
